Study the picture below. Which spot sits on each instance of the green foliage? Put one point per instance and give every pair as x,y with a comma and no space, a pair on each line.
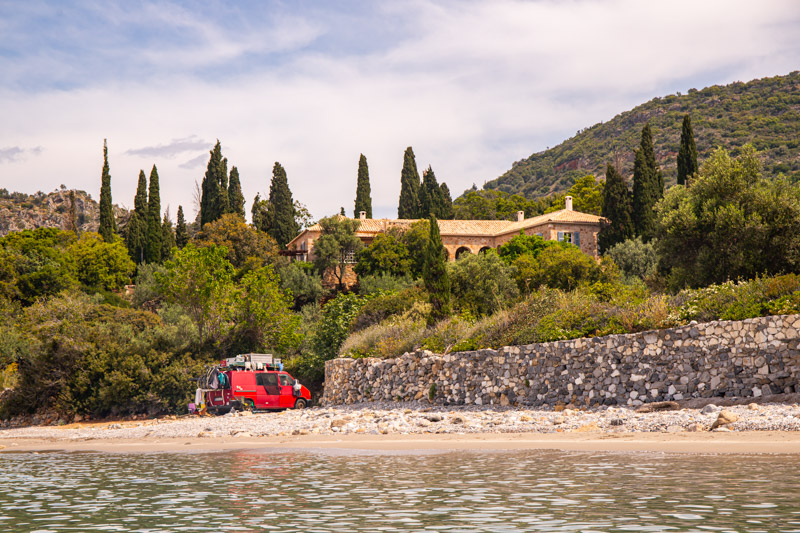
107,224
383,282
181,231
730,224
136,231
337,246
687,154
380,306
431,198
200,279
762,112
153,247
416,239
332,330
36,264
408,206
648,187
635,258
300,280
587,195
214,199
100,264
500,205
482,284
525,244
262,315
446,209
235,196
88,358
386,254
280,216
247,247
560,267
363,198
618,209
434,274
167,238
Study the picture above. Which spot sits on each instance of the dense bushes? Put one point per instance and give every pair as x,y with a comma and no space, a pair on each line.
75,355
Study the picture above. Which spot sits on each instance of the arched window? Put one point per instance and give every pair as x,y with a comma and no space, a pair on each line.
461,251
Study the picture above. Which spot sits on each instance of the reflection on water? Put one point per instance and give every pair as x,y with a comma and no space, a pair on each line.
452,492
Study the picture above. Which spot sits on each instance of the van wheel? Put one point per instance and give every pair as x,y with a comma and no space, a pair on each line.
300,404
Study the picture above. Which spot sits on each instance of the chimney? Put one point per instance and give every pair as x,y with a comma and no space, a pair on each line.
362,215
568,201
520,216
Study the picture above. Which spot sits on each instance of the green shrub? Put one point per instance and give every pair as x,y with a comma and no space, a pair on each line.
384,305
636,259
384,282
482,284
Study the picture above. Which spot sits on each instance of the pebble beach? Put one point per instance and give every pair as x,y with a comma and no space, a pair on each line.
414,418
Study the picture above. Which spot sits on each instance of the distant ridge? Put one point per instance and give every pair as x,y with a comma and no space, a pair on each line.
20,211
764,112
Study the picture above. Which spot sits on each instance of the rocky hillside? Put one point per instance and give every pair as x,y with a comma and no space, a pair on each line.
763,112
19,211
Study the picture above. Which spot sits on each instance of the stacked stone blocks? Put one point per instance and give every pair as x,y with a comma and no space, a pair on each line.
747,358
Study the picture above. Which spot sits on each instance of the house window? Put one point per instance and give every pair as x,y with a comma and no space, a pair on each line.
573,237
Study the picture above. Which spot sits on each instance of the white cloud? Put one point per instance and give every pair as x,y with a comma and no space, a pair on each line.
472,86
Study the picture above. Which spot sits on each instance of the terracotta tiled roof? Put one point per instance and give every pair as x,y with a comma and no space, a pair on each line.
487,228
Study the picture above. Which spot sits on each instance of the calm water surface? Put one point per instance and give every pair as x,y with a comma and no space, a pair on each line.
450,492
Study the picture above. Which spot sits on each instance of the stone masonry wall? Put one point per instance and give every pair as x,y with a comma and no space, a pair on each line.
729,358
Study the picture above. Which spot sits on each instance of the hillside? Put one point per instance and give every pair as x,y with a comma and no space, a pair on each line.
764,112
20,211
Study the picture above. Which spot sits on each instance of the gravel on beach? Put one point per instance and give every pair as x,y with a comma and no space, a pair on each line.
420,418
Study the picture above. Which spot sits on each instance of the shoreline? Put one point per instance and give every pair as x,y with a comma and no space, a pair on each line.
739,442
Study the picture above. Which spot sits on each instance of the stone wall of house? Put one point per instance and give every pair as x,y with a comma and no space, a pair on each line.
746,358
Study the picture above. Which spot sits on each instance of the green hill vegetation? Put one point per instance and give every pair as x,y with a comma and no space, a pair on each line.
763,112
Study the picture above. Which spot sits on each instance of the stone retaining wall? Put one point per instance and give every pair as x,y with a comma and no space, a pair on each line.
746,358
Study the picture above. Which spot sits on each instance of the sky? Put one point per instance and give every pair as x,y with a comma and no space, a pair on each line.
471,85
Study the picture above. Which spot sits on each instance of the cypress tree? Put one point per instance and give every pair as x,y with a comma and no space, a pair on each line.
363,198
152,252
280,212
687,155
447,212
107,224
260,213
408,206
168,240
136,238
235,196
434,274
209,200
223,203
648,186
430,200
181,231
617,209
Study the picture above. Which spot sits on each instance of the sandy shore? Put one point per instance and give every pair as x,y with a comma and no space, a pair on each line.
715,443
766,428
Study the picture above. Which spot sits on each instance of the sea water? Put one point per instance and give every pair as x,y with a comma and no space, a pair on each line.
301,491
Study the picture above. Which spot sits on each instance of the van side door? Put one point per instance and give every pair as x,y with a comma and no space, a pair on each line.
272,389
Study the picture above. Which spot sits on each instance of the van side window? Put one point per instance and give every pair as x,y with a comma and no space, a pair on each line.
270,379
285,380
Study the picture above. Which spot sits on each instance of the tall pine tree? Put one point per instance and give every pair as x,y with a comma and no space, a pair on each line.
687,155
447,212
408,206
223,201
154,233
107,225
363,198
210,193
235,196
167,238
181,231
430,196
280,211
136,239
434,274
617,209
648,186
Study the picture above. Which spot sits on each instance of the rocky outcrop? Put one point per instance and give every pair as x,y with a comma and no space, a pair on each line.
20,211
747,358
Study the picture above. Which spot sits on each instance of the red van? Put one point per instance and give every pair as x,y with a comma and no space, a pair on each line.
255,390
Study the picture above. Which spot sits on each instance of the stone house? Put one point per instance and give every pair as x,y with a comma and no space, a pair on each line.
475,236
